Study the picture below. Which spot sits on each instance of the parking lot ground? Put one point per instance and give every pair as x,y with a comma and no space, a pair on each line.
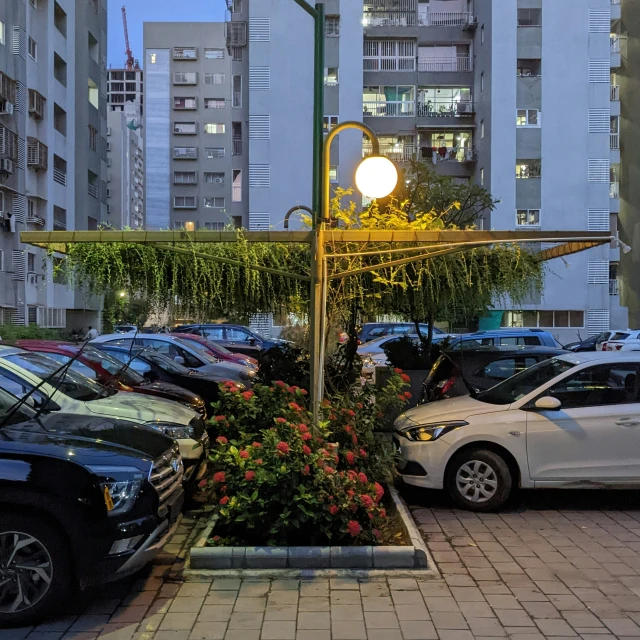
554,565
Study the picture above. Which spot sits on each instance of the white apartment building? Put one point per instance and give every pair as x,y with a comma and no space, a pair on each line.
53,149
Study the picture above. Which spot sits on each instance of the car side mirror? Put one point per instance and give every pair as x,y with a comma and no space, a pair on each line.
252,341
548,403
179,359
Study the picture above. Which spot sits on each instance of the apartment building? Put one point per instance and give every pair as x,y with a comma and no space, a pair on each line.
195,129
53,149
125,85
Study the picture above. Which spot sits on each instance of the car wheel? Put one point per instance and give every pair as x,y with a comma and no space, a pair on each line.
479,480
35,572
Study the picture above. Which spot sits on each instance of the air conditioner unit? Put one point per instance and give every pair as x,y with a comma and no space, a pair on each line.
6,108
465,107
219,180
6,165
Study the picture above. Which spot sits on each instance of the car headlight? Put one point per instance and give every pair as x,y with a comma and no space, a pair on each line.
120,487
430,432
175,431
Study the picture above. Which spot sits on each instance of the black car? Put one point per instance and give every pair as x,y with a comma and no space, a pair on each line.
234,337
373,330
458,373
83,500
156,366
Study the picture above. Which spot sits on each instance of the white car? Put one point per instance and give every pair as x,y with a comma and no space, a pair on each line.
624,341
21,371
571,422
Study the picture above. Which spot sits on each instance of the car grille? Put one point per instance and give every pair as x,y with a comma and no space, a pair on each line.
166,474
198,426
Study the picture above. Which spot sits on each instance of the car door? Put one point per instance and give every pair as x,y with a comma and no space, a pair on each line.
595,435
239,340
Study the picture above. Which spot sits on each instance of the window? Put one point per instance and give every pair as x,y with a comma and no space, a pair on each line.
214,203
185,153
529,17
214,226
214,103
236,90
31,262
213,127
238,335
93,94
60,19
214,178
236,54
92,185
93,138
482,34
185,103
528,217
389,55
482,177
332,26
185,177
33,49
215,78
528,118
329,122
185,128
184,202
214,54
526,169
59,119
528,68
187,225
214,152
183,77
59,69
482,82
333,173
185,53
152,58
602,385
2,32
34,3
214,333
543,319
331,76
2,260
59,219
499,370
236,189
481,128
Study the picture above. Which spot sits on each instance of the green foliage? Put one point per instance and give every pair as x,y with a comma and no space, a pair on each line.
32,332
284,362
275,482
406,353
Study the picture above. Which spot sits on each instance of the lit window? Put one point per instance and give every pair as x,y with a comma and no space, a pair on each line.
482,177
332,26
526,169
528,217
1,32
214,203
333,173
329,122
152,58
331,76
482,128
528,118
212,127
214,54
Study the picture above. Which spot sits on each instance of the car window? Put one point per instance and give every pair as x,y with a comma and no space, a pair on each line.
400,329
472,343
125,374
140,366
376,332
213,333
234,333
120,342
604,384
499,370
76,366
619,336
166,348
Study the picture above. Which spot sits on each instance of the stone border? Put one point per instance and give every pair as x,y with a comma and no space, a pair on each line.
416,556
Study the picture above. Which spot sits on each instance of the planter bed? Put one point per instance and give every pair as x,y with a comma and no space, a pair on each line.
410,554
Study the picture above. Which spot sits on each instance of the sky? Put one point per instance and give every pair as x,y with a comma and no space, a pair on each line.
139,11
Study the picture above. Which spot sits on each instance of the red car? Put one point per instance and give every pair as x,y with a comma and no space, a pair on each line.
218,351
106,370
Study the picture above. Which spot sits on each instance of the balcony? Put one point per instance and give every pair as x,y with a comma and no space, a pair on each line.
438,155
92,190
437,65
446,19
390,19
185,53
614,287
614,190
236,149
615,141
615,93
389,109
398,152
445,108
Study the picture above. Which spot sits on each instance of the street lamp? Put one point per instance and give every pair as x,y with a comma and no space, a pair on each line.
376,177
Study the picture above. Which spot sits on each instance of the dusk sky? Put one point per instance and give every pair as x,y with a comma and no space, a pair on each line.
139,11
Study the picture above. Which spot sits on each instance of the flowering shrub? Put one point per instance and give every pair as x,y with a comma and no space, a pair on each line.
276,480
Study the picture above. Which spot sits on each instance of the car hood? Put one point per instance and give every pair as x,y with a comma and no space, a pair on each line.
459,408
141,408
168,391
222,371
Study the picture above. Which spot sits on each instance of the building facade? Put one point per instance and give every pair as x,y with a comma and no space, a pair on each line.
125,85
53,149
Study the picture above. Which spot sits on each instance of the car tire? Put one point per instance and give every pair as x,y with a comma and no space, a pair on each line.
479,480
32,541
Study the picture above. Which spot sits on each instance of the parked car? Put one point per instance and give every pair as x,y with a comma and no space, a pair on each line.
624,341
124,328
571,422
593,343
456,373
220,352
233,337
155,366
372,330
373,354
83,500
107,371
183,352
504,337
70,392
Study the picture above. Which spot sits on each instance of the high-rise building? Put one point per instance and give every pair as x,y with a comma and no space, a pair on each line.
125,85
53,149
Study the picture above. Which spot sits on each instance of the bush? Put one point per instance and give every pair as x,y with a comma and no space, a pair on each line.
275,481
284,362
406,353
32,332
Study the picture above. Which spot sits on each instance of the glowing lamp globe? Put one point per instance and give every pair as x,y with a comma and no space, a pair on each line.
376,177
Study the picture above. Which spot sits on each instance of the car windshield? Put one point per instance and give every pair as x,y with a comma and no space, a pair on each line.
125,374
619,336
70,383
525,382
7,402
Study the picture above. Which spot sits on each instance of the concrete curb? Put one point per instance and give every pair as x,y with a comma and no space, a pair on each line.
415,556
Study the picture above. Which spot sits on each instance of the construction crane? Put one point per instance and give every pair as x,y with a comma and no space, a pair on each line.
129,64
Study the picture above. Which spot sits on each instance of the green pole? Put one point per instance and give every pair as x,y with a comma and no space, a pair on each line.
318,109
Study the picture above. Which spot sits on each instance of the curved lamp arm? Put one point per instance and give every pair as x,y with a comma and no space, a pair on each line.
293,210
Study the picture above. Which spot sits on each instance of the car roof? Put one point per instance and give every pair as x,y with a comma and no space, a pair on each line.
6,350
601,356
501,332
507,349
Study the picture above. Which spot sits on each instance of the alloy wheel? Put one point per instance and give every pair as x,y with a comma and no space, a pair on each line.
476,481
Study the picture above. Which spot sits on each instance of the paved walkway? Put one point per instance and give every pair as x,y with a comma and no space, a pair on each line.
557,566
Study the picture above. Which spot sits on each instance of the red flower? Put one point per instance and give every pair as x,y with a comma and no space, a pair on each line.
367,501
405,377
306,450
351,459
407,394
280,420
353,507
216,538
329,471
371,516
377,534
326,403
363,453
354,439
302,428
307,470
330,498
280,383
383,513
220,418
397,370
219,477
224,500
304,392
333,509
250,475
221,440
256,445
352,413
354,528
244,454
294,406
247,395
282,447
359,405
202,484
229,384
306,436
321,463
223,489
259,461
379,491
332,416
363,478
351,493
401,397
352,475
348,429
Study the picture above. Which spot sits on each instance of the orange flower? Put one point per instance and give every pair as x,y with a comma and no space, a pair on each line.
224,500
354,528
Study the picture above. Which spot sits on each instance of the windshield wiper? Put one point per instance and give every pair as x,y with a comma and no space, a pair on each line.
472,392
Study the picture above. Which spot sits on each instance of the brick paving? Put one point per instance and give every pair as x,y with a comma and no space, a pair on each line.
556,566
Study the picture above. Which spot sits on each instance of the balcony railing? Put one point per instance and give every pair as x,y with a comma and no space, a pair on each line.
92,190
615,141
399,152
614,190
448,154
444,108
614,287
60,176
392,109
236,147
615,93
390,19
461,63
445,18
237,99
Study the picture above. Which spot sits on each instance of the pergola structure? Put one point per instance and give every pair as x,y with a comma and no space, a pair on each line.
415,246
